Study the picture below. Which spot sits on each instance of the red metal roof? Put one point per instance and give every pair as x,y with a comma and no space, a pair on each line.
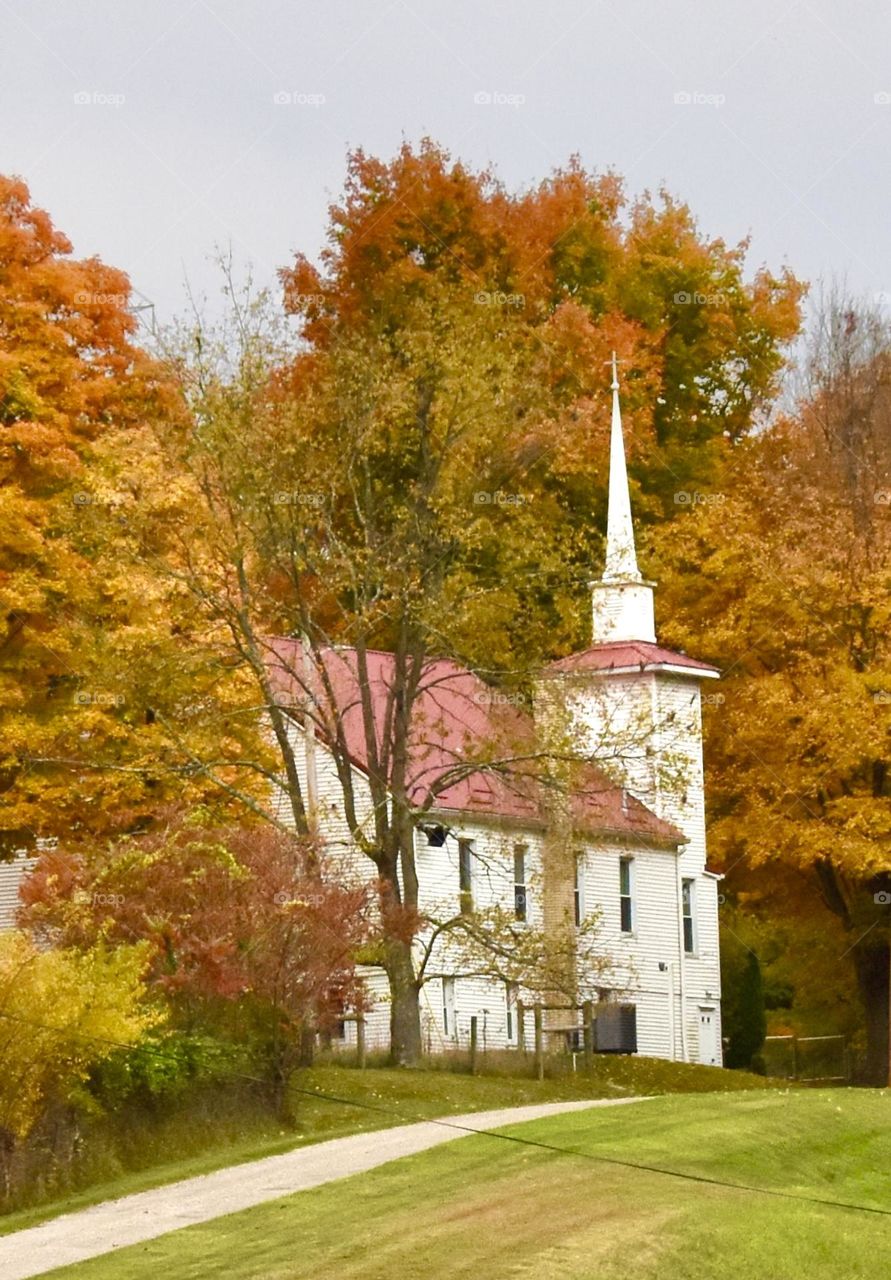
460,724
622,654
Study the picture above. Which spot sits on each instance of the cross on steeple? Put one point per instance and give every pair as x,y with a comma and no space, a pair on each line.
614,362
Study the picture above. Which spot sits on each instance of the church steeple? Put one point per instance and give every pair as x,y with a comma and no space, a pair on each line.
622,599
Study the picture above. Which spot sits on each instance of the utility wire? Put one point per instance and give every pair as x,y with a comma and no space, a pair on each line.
444,1123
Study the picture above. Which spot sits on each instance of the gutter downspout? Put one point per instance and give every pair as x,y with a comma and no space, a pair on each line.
671,1015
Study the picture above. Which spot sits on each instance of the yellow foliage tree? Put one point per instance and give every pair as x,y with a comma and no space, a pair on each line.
61,1013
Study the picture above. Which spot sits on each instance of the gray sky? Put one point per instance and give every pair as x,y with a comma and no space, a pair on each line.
181,144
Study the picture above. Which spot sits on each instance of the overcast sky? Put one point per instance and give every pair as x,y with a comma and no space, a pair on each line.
152,131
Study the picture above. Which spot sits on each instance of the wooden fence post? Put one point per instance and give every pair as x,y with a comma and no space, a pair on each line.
360,1041
539,1043
521,1026
473,1044
588,1033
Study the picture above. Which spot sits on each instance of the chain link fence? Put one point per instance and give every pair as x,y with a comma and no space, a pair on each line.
810,1059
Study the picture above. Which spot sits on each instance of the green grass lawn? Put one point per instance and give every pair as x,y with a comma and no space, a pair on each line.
482,1207
385,1097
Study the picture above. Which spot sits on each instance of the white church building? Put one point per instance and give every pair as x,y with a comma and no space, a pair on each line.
632,850
636,837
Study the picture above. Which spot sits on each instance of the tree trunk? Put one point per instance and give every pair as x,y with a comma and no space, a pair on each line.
871,966
405,1010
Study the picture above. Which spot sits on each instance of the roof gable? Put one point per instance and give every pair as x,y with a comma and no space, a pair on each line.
461,728
628,655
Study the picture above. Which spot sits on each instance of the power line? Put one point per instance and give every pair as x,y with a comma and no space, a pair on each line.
444,1123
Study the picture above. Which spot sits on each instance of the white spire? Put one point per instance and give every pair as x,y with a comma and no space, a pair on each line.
623,600
621,558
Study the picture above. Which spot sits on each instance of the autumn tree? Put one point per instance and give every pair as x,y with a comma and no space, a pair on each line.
785,576
62,1012
240,928
422,474
111,682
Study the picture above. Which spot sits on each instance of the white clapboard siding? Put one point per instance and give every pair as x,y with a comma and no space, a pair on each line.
11,876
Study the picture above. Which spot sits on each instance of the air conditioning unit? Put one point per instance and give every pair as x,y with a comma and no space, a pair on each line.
615,1028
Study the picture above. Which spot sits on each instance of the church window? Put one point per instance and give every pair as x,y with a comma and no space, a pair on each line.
688,904
626,894
520,882
578,896
465,875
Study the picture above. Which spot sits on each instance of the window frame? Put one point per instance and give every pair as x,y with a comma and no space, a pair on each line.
511,1000
449,985
578,890
465,876
688,915
627,904
521,912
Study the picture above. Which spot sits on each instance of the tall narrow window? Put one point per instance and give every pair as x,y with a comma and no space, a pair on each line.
465,875
626,894
578,896
449,1024
520,882
511,995
688,907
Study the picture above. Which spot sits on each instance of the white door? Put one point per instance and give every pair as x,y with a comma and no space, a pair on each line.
709,1053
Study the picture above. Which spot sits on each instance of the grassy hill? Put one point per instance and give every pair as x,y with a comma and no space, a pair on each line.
709,1187
135,1150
